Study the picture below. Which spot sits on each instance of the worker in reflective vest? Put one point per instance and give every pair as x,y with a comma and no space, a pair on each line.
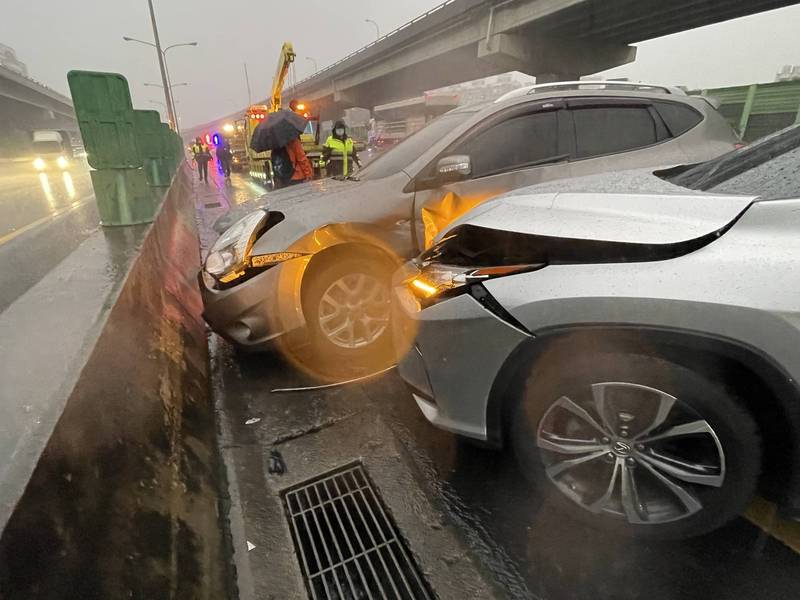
339,151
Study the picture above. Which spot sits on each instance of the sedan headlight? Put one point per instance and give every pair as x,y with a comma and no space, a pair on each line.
39,164
62,162
228,256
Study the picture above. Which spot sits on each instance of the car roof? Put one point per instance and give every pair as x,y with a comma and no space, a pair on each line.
484,109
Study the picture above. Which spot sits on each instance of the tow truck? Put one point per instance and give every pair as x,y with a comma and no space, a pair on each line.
236,137
260,166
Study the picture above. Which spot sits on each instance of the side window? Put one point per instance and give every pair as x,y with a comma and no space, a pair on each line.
607,129
512,144
678,117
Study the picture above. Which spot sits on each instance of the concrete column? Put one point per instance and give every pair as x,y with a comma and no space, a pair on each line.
550,58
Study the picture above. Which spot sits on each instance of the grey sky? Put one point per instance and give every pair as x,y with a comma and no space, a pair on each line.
53,36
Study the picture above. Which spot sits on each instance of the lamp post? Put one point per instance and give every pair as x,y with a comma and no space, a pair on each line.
316,68
377,28
162,61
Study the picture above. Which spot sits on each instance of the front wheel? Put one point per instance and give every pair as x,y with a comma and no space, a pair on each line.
347,306
637,445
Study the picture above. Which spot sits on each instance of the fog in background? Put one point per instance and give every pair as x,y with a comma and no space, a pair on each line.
53,36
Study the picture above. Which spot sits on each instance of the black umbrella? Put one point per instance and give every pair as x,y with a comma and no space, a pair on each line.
277,130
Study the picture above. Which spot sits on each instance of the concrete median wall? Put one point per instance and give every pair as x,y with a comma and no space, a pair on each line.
123,499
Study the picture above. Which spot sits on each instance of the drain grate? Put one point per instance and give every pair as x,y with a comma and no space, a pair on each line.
348,545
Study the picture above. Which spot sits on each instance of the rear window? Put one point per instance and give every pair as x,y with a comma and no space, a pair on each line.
678,117
609,129
47,147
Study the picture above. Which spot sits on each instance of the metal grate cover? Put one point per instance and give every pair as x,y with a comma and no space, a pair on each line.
347,543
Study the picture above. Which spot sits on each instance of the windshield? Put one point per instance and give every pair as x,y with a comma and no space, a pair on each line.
47,147
769,168
407,151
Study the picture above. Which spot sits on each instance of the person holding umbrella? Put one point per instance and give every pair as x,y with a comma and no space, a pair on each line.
280,133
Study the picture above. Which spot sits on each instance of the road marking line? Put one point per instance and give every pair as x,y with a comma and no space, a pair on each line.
764,515
51,217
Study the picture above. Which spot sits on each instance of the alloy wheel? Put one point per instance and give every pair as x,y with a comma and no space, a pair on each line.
354,311
631,452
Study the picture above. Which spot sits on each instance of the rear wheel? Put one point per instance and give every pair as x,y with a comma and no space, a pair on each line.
637,445
347,306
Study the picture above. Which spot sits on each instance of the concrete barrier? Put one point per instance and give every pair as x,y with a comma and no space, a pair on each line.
109,488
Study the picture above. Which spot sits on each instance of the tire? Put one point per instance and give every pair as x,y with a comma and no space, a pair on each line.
335,356
724,450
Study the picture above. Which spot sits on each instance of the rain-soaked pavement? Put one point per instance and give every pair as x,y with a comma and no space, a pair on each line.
519,546
43,218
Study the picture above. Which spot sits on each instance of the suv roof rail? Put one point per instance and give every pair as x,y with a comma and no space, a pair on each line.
591,85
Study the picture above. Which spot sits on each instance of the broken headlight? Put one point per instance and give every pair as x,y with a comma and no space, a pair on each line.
231,258
229,254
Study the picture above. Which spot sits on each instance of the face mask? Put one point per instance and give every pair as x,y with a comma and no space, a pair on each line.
340,132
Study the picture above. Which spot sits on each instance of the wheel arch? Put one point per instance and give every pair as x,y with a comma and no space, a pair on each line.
768,392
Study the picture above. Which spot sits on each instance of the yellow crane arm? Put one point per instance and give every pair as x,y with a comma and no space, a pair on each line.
285,60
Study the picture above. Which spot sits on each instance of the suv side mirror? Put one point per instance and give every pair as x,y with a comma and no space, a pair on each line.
454,168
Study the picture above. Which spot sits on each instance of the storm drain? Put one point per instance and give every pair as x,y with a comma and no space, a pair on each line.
348,545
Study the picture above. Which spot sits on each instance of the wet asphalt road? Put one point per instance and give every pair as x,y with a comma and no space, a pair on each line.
527,546
43,218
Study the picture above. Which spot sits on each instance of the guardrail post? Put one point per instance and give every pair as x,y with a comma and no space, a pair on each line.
748,106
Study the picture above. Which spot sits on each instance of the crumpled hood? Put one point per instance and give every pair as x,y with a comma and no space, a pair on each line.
287,199
631,218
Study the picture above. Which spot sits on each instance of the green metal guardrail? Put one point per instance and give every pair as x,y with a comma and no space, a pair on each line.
759,109
133,155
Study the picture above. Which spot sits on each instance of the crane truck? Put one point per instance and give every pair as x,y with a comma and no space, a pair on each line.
259,163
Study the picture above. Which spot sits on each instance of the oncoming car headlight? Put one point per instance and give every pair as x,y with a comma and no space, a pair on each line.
39,164
62,162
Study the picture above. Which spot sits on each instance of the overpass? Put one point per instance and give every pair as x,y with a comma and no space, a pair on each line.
26,104
461,40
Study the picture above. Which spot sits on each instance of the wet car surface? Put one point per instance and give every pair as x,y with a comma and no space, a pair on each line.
514,533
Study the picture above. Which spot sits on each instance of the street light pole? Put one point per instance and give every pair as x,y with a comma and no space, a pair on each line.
163,54
247,81
162,67
316,68
377,28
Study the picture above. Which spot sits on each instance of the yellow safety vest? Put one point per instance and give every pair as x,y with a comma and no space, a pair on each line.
340,148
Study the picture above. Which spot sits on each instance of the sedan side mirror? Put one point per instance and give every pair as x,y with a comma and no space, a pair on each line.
454,168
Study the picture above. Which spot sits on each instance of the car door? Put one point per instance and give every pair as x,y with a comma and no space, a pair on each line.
519,147
614,134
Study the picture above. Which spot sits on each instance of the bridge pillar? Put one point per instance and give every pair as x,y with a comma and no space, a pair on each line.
551,58
345,98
